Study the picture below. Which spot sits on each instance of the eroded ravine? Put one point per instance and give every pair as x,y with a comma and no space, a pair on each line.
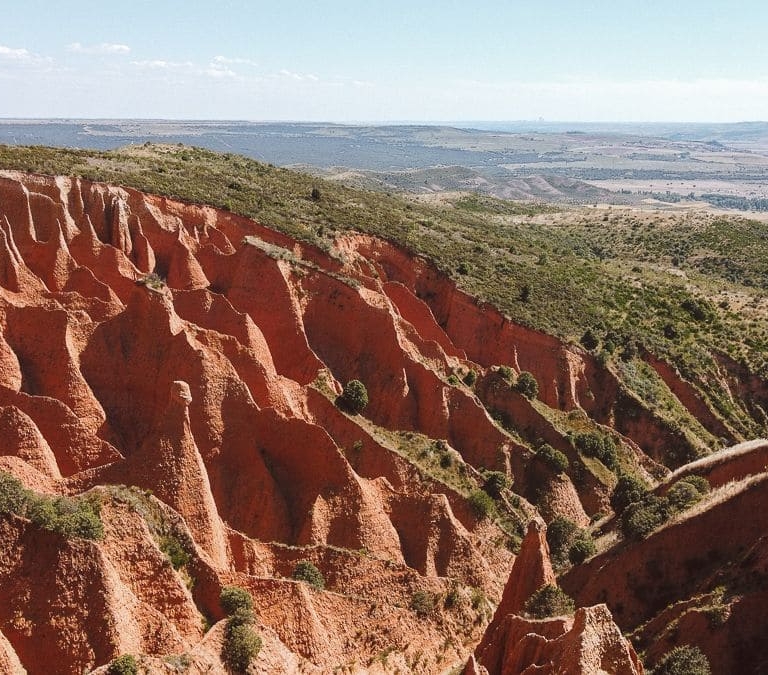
196,355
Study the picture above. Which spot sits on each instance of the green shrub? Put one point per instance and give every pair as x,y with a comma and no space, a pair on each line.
470,378
305,571
42,512
355,396
14,497
506,372
495,483
463,268
477,598
603,447
554,459
123,665
582,548
590,340
549,601
588,443
174,551
699,482
641,518
560,534
481,504
699,309
629,489
69,516
423,603
452,597
683,660
683,495
526,384
234,598
79,517
152,280
649,512
241,645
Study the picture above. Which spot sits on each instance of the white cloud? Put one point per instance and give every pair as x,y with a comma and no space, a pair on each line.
159,64
14,54
218,70
19,55
299,77
214,69
225,60
102,48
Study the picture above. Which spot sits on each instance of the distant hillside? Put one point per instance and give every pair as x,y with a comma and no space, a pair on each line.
555,162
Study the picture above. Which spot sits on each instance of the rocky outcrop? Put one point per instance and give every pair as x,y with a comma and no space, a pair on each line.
587,643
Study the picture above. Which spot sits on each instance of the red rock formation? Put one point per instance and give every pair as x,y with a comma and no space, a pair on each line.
587,643
590,643
532,570
9,662
639,579
197,354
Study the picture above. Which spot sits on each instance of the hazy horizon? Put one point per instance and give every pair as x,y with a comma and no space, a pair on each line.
478,123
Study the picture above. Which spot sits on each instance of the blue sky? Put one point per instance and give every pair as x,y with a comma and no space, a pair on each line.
675,60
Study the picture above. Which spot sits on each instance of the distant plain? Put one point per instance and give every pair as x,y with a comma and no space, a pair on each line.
672,166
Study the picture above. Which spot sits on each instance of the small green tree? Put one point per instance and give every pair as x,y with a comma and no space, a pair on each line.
481,504
549,601
641,518
683,495
175,552
495,483
234,598
526,384
598,445
305,571
554,459
590,340
13,495
582,548
683,660
629,489
241,643
123,665
79,517
560,534
699,482
355,396
69,516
